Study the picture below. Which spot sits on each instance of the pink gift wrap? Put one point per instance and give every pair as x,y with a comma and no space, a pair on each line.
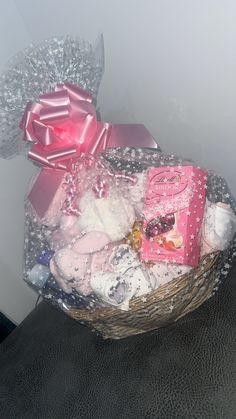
47,196
173,212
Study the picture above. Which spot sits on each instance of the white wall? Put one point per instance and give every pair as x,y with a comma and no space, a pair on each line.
170,64
16,298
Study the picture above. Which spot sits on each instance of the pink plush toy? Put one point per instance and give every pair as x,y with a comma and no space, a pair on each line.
83,244
67,232
73,264
70,270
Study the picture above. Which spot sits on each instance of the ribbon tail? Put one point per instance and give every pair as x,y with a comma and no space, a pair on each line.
40,159
54,158
101,140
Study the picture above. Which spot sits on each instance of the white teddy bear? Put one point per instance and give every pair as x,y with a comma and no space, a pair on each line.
112,215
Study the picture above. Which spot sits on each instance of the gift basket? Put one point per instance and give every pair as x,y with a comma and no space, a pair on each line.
119,235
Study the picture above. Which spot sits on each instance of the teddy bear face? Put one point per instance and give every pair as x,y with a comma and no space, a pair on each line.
112,215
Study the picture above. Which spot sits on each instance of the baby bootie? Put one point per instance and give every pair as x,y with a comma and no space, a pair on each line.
127,280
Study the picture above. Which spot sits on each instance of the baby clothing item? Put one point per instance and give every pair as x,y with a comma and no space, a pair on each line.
219,227
113,214
166,272
127,280
112,289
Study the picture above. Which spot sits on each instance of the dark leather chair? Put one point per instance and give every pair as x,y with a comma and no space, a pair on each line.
52,367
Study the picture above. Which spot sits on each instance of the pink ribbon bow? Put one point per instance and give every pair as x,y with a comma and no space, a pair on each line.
63,125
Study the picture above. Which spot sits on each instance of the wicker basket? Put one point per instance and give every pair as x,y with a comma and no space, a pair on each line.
165,305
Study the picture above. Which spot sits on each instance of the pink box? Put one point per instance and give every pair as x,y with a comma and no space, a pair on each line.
47,195
174,207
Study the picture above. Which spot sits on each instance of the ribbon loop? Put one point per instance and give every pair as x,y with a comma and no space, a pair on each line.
57,98
63,125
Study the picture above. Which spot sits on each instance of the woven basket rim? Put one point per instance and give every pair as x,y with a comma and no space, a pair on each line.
146,301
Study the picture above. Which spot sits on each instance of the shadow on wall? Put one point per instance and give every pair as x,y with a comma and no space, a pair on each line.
167,121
